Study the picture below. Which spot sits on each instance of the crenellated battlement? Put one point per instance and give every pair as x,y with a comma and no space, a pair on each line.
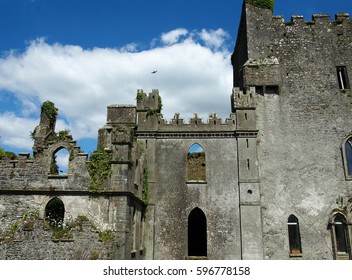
243,99
339,26
150,118
148,103
316,18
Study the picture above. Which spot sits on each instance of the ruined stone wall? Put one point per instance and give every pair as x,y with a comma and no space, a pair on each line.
175,197
303,118
104,222
173,194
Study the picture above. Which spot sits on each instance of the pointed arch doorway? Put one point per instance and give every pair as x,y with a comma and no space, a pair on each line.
197,233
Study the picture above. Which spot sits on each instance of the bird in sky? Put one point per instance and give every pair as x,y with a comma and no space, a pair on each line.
153,72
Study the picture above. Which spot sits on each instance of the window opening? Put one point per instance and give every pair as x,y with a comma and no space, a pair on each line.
342,77
348,157
340,234
294,236
196,164
55,212
197,233
59,163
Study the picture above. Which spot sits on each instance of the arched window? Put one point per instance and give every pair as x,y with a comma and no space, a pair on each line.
196,169
294,236
340,233
59,163
55,212
197,233
340,237
347,157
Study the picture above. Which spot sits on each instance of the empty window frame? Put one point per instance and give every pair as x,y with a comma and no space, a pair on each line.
55,212
294,236
347,157
342,77
340,238
196,163
60,162
340,233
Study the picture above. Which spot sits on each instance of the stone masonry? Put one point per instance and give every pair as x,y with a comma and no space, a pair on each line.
272,181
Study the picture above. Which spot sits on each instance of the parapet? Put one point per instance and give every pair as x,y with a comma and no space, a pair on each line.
148,103
340,18
195,124
243,99
121,114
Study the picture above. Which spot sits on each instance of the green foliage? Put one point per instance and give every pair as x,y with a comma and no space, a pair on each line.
266,4
61,233
49,109
139,96
7,154
160,104
25,222
145,186
106,236
63,134
99,169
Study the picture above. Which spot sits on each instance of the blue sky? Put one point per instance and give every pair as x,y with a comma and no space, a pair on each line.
87,54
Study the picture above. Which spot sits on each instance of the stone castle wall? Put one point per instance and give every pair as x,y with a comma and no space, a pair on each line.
303,118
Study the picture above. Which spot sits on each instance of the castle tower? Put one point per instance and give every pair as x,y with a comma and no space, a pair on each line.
46,127
290,84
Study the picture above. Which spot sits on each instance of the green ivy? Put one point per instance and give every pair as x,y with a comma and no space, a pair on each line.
139,96
266,4
49,109
7,154
160,104
145,186
99,169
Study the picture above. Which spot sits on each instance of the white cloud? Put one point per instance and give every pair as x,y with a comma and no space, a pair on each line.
15,131
173,36
192,77
214,38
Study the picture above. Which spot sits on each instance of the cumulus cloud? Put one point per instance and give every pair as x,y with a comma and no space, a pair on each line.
15,131
214,38
173,36
194,75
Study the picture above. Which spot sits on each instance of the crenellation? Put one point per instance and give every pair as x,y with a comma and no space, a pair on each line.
341,17
243,98
325,18
297,19
150,102
281,159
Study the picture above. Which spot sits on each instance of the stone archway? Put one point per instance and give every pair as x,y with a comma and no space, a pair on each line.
197,233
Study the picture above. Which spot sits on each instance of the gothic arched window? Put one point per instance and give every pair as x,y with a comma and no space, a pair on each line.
340,237
196,169
347,155
59,163
294,236
197,233
340,233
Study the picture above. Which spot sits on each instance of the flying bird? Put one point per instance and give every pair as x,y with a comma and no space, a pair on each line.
153,72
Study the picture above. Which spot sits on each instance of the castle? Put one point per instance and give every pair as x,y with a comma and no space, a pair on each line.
272,181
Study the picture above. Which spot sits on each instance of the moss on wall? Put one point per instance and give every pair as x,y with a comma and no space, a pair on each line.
266,4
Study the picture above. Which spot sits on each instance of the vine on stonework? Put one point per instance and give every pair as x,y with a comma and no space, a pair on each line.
99,169
49,109
267,4
145,186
